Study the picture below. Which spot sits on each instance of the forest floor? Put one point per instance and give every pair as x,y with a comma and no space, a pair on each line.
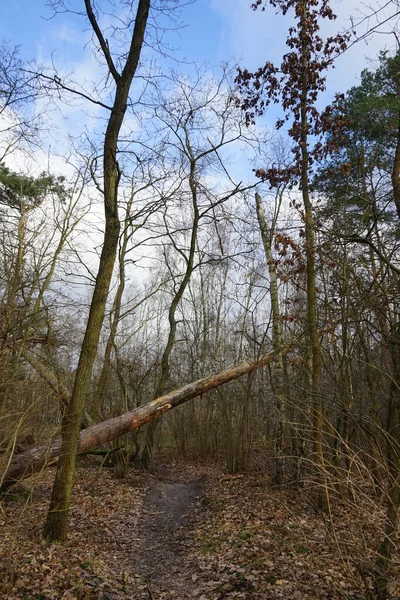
191,531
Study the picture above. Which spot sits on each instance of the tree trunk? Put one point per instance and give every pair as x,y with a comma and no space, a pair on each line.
312,320
56,526
147,458
266,236
94,410
10,320
387,545
35,460
396,170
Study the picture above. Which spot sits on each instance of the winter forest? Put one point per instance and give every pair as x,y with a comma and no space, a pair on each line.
200,309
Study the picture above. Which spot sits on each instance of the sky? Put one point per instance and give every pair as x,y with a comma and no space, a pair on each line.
215,30
212,31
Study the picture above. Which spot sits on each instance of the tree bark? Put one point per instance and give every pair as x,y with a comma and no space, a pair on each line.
267,236
388,543
396,170
33,461
147,458
115,318
312,319
56,526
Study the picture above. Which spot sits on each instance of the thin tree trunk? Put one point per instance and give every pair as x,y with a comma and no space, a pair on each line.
382,564
396,170
48,375
10,316
35,460
165,377
164,382
312,320
266,236
115,317
56,526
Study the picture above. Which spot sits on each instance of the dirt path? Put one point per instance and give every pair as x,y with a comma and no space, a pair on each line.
164,565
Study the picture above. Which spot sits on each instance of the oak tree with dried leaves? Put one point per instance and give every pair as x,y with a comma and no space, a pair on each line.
296,84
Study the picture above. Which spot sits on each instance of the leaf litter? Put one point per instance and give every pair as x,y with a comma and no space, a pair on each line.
189,532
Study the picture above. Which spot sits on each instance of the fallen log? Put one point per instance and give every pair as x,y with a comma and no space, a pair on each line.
23,465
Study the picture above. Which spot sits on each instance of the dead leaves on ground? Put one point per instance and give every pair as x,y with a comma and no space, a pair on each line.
245,541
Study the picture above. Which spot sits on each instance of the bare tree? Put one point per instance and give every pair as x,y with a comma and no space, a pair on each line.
122,73
38,217
19,125
199,122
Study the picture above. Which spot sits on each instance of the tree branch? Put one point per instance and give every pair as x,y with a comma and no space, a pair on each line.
103,42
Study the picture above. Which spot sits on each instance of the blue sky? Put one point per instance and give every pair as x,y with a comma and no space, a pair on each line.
27,23
215,30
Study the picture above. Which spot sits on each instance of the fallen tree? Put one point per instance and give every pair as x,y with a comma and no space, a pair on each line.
34,460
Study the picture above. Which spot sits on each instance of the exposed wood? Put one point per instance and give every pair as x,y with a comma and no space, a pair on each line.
38,458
